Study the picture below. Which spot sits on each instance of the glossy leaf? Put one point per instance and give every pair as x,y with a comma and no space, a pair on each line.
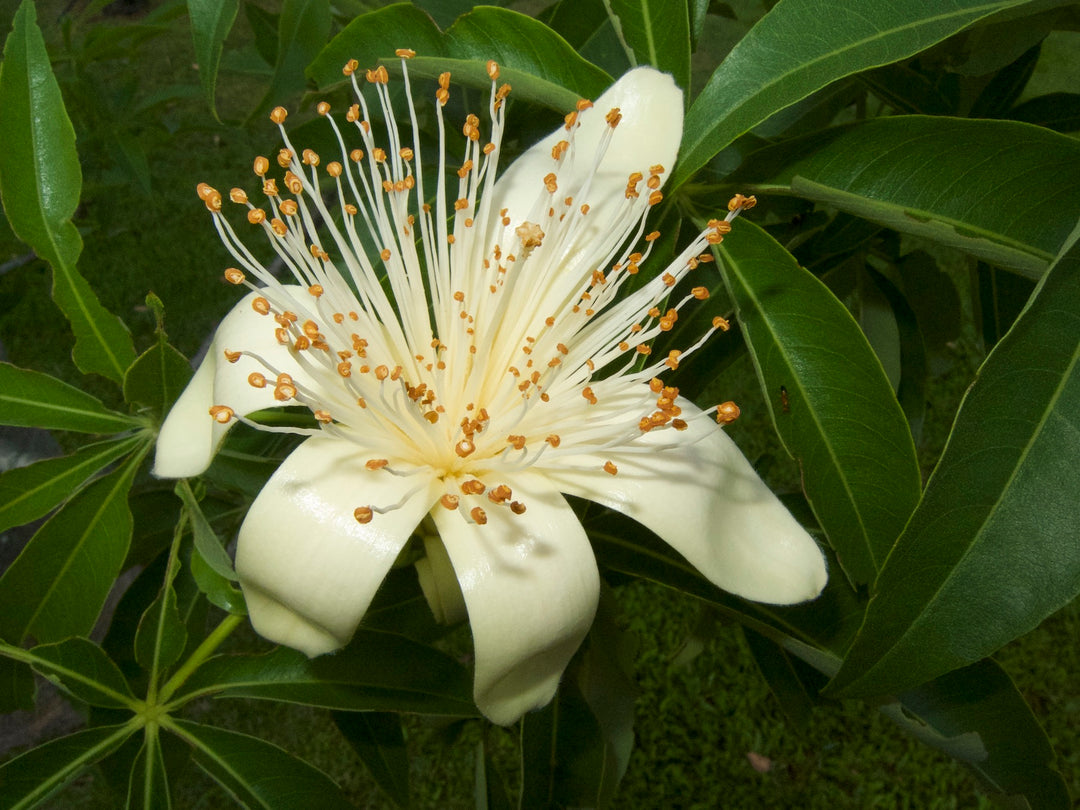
40,180
658,31
989,552
302,31
536,61
81,668
376,672
218,589
207,544
56,587
157,377
32,399
803,45
950,180
30,778
379,741
258,774
829,399
148,786
211,21
27,493
374,37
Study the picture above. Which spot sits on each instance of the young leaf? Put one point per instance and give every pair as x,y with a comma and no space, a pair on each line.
658,31
211,21
81,668
27,493
949,180
29,779
40,181
207,544
801,46
990,552
378,739
259,774
829,398
58,584
376,672
157,377
218,589
32,399
161,636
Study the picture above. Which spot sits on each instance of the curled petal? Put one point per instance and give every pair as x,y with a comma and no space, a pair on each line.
190,437
648,134
307,567
531,586
704,499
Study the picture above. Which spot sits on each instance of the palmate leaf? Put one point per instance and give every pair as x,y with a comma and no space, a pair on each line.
991,550
803,45
829,399
30,778
148,785
302,30
58,584
40,181
82,669
377,672
954,181
256,773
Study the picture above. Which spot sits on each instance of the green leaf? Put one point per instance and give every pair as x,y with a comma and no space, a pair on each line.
32,399
29,779
376,672
977,716
16,686
58,584
990,551
162,636
950,180
658,31
829,399
40,180
375,36
302,31
536,61
489,787
211,21
378,739
148,786
81,668
27,493
803,45
778,669
256,773
207,544
157,377
217,588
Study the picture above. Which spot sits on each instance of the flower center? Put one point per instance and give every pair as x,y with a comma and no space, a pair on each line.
441,335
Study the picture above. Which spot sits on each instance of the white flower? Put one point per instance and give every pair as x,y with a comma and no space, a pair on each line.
470,361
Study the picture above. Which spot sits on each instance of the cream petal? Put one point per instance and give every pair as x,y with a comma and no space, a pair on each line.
705,500
531,587
189,436
308,569
648,134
